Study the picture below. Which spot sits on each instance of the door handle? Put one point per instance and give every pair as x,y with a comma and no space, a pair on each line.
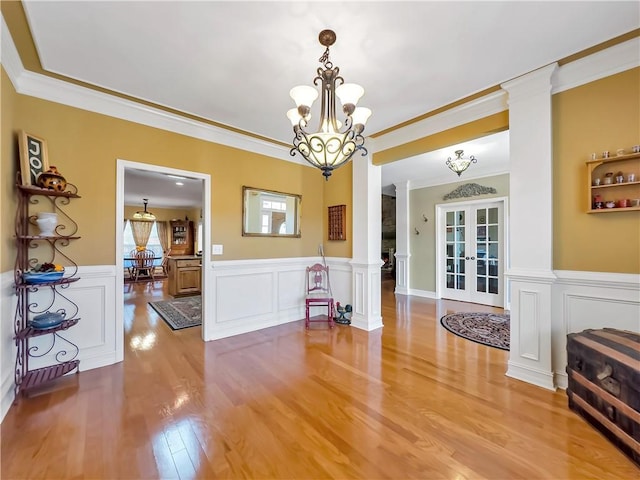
466,258
473,258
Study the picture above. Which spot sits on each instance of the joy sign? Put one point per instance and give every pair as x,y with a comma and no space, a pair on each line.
33,157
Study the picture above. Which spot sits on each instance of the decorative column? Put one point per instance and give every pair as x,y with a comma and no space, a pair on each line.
366,262
530,270
402,238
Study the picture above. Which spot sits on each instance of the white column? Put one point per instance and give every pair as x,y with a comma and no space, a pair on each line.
367,228
402,238
530,271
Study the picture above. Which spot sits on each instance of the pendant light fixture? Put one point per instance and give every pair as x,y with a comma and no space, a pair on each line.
460,164
330,146
145,215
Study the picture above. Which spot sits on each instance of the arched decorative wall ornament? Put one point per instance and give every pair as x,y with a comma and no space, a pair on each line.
469,190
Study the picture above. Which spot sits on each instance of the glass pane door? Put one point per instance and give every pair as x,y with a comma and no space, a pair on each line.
455,249
473,254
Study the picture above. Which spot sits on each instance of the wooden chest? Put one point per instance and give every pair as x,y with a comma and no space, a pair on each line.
604,384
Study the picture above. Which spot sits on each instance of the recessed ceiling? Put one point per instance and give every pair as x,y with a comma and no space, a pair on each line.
235,62
161,190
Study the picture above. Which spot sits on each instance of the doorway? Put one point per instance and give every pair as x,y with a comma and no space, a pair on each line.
471,253
122,167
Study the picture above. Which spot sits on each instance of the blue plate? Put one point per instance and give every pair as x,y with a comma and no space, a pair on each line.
41,277
47,320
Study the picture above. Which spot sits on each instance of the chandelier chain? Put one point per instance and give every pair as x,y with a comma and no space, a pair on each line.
324,59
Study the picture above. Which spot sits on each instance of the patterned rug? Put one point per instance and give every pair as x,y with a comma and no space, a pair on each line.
180,313
490,329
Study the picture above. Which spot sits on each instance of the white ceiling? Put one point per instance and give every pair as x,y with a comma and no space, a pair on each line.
235,62
161,190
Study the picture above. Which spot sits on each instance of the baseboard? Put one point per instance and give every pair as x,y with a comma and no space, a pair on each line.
366,324
236,328
422,293
7,396
529,375
104,360
562,380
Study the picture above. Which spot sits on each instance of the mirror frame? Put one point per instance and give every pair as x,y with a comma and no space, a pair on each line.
297,213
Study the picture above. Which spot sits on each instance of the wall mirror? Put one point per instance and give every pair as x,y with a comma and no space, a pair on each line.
266,213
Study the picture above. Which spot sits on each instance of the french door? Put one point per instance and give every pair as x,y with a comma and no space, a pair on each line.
471,253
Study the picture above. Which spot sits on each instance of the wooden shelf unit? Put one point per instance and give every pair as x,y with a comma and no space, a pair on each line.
181,237
613,192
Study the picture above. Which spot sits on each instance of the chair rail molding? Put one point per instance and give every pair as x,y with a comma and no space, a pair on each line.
583,300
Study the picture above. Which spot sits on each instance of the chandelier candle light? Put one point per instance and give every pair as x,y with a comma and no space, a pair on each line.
460,164
329,147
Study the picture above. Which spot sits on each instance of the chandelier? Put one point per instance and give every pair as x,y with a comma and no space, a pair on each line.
460,164
330,146
147,216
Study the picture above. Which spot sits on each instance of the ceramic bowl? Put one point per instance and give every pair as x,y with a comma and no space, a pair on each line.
41,277
610,204
47,320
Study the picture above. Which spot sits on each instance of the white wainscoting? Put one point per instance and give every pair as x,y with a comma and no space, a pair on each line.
7,345
582,300
94,334
249,295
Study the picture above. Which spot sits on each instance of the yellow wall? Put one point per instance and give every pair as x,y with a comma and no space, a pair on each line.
85,145
602,115
423,246
338,191
8,150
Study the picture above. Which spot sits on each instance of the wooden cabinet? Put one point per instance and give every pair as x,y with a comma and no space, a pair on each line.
41,296
184,275
181,237
601,193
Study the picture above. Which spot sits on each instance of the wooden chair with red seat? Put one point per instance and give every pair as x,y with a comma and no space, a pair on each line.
318,293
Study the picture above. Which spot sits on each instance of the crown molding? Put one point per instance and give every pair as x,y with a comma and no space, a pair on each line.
446,179
531,84
47,88
605,63
9,57
490,104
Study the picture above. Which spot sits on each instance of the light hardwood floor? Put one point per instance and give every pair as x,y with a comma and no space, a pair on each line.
410,400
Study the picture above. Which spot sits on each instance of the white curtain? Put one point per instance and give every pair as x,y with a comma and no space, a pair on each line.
141,231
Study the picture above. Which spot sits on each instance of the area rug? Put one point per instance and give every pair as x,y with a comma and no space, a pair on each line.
180,313
491,329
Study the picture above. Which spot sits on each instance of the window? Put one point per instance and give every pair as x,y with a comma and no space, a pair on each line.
153,243
274,217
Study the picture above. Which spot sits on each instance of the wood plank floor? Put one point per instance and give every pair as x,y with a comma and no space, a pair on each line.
410,400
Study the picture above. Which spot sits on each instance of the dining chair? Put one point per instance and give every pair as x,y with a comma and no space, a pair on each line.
164,264
142,264
318,293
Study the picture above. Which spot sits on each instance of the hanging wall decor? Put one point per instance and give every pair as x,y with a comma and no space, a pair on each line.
469,190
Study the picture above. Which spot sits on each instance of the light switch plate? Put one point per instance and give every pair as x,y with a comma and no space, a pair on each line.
216,249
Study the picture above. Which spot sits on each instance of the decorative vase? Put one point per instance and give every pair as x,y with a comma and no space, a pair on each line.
47,223
52,180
